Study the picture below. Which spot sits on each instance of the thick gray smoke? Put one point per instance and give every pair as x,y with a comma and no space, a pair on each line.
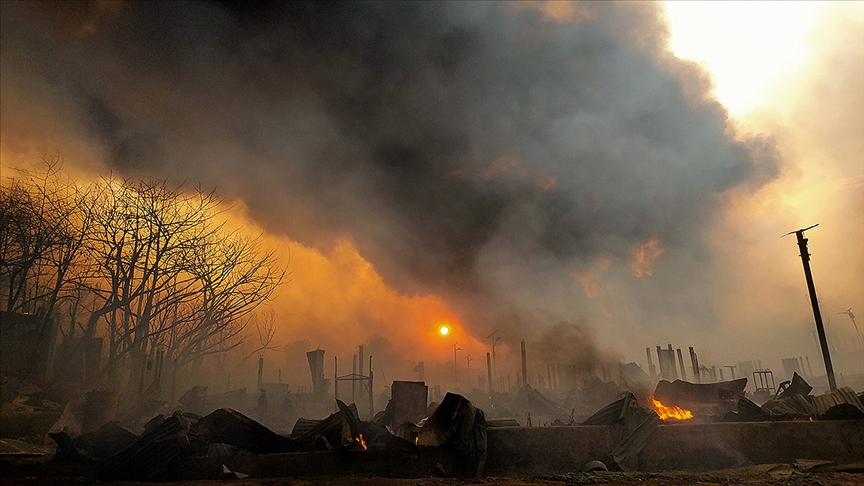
483,151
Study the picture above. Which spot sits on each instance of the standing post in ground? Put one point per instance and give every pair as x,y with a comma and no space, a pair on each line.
817,315
524,366
681,364
455,367
495,340
490,388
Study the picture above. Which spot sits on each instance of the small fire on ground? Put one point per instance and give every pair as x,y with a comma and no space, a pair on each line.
673,412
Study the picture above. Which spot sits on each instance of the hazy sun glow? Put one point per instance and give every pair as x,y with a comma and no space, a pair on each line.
443,330
748,46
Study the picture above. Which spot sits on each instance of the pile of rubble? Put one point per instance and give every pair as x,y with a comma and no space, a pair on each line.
796,403
450,442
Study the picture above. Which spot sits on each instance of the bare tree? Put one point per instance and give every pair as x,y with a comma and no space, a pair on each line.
234,275
40,236
149,263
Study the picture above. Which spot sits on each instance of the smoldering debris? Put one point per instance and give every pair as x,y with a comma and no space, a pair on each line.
452,442
451,438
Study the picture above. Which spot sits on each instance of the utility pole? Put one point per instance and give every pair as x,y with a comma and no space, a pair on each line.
524,366
817,315
849,313
489,388
455,366
495,340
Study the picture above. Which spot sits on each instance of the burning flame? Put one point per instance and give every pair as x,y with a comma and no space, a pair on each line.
673,412
360,441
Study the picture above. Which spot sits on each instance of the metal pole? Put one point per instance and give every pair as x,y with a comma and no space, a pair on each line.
260,370
681,364
651,370
494,340
455,366
817,314
490,388
336,380
494,360
695,364
849,313
524,366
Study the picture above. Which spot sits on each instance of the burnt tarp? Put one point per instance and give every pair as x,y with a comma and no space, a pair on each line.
226,426
458,429
639,423
151,455
681,392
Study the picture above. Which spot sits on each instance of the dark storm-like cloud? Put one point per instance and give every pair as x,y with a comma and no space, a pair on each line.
483,151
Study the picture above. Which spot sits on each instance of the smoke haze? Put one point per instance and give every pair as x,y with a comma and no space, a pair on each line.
549,170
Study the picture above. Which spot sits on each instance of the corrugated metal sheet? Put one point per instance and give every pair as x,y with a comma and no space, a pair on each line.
303,426
796,405
842,395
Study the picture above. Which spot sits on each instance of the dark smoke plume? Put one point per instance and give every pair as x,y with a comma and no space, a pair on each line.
483,151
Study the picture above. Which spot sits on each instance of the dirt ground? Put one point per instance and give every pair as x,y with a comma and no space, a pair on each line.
768,474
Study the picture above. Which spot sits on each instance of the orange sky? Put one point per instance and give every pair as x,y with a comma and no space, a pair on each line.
336,299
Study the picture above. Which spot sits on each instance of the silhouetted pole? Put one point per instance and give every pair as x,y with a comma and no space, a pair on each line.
455,366
817,315
524,366
651,370
694,361
495,340
260,370
489,372
371,404
681,364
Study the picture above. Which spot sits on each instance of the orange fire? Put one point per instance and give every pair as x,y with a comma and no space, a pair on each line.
673,412
360,441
